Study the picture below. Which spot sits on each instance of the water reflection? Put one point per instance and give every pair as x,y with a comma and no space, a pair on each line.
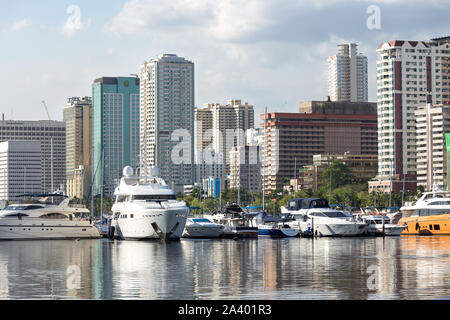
354,268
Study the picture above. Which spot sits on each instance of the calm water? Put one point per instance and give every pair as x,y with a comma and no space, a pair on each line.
353,268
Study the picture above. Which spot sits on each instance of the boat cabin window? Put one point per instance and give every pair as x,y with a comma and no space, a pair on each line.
16,215
120,199
53,215
429,212
439,203
155,197
317,214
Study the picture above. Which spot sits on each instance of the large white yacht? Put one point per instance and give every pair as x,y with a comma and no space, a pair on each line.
146,208
314,214
50,217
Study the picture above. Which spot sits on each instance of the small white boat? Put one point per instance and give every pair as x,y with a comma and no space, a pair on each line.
202,228
375,225
277,230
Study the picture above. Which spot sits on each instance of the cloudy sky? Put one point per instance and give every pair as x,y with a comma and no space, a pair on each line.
267,52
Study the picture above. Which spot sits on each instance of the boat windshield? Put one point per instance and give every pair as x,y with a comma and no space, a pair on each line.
329,214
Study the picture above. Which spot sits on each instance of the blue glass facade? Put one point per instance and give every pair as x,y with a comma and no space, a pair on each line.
115,102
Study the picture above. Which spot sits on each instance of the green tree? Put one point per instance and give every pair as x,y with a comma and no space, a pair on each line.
340,175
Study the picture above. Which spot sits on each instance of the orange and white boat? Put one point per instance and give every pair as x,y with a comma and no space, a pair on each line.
430,215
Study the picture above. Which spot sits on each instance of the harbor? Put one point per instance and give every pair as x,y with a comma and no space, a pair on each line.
405,267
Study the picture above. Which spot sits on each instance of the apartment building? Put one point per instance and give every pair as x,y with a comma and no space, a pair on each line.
347,75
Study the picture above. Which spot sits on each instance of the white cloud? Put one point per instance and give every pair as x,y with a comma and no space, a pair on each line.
20,24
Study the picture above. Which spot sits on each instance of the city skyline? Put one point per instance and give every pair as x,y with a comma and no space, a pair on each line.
223,51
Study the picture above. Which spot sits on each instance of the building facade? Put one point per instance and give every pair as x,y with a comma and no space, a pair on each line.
52,135
115,130
245,168
20,168
167,118
219,128
77,115
432,123
347,75
320,127
409,74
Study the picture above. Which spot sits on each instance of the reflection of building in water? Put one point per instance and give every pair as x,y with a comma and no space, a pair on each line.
37,269
4,289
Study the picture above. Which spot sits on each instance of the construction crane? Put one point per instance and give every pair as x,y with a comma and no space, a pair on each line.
46,109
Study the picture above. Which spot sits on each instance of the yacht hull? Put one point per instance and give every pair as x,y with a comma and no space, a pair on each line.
161,224
427,225
37,230
331,230
198,231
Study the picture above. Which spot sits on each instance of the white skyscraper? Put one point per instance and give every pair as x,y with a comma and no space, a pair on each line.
166,115
347,75
409,74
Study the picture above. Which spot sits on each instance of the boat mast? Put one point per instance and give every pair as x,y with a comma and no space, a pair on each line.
102,185
265,160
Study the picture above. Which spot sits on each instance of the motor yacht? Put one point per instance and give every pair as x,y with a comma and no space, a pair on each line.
146,208
274,226
375,225
315,215
236,222
202,228
429,215
45,216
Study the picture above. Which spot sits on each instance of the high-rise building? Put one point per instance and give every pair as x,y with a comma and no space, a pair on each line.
320,127
20,168
52,135
347,75
115,129
432,123
77,115
409,74
219,128
167,118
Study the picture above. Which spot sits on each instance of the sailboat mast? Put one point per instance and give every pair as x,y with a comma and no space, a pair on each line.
102,185
265,160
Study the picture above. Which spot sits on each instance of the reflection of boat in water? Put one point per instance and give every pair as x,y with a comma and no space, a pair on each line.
202,228
146,208
375,226
236,222
50,217
274,226
430,215
314,214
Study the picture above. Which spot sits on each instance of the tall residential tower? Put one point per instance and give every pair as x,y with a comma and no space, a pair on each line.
347,75
409,74
167,118
77,115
